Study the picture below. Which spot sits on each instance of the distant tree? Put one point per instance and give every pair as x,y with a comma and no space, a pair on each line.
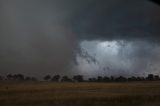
47,77
157,77
106,79
15,77
132,78
121,79
28,78
150,77
112,78
66,79
20,77
143,79
92,79
78,78
140,79
99,79
10,77
56,78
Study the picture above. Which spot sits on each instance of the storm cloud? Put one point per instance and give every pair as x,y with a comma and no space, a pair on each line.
35,38
126,58
45,36
113,19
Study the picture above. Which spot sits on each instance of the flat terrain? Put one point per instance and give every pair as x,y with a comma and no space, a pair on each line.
21,93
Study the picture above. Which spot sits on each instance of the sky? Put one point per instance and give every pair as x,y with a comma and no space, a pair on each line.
89,37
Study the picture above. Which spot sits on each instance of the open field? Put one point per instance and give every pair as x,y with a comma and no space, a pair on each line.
38,93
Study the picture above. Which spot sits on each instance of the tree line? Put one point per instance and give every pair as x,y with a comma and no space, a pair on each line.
80,78
17,77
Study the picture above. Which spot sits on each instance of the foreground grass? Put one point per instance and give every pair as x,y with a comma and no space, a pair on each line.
79,94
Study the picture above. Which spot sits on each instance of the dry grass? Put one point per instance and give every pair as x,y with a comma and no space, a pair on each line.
79,94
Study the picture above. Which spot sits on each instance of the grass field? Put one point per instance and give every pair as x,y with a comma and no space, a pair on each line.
39,93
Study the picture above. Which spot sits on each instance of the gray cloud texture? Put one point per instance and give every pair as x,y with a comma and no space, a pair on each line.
125,19
40,36
116,58
34,39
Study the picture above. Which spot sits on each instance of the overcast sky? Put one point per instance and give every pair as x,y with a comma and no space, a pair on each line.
90,37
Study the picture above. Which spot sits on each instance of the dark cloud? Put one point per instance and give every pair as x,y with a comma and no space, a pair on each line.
156,1
113,19
41,36
34,37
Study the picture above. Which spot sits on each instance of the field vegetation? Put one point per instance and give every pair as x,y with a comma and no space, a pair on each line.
44,93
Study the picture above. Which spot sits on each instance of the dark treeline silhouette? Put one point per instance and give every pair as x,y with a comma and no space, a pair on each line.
80,78
66,79
17,77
